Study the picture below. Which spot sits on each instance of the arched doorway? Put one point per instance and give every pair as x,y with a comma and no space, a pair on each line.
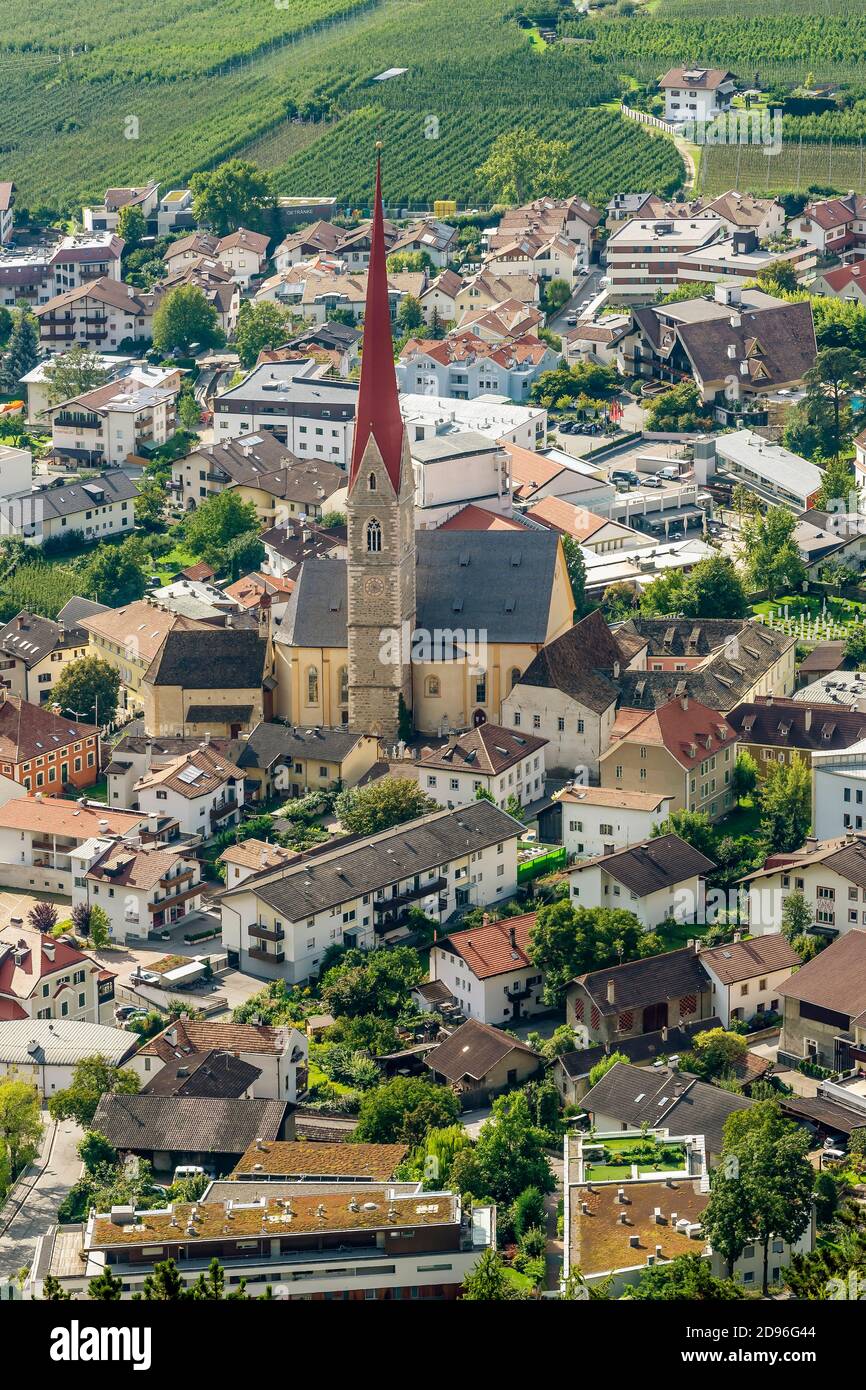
479,718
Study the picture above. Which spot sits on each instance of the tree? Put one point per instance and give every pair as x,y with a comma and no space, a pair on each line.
94,1150
403,1110
22,353
744,778
374,983
785,798
521,165
99,927
410,314
567,940
115,573
261,325
20,1125
188,412
715,1054
488,1282
529,1210
618,601
714,589
390,801
576,567
603,1067
767,1156
216,522
105,1288
837,484
244,553
558,293
87,684
836,372
695,827
185,317
769,552
165,1285
796,915
150,505
855,645
679,410
53,1291
92,1078
235,194
132,226
212,1285
509,1155
72,373
686,1277
43,917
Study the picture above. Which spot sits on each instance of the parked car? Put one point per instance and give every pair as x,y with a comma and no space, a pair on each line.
626,475
651,481
571,320
126,1011
668,474
148,977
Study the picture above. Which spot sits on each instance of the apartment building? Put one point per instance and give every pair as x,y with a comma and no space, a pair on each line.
681,749
113,424
202,791
37,747
643,256
100,315
501,763
48,268
488,971
34,653
139,888
314,418
279,923
465,366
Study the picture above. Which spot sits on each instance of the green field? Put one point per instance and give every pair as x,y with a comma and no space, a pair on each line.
97,94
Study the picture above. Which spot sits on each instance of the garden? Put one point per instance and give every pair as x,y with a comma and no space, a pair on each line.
633,1156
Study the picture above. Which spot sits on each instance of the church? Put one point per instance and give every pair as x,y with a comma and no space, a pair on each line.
427,630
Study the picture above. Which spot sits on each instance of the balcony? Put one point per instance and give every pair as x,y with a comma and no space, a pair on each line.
515,995
268,957
219,813
409,895
266,933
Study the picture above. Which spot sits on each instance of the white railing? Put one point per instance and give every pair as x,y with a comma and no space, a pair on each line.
645,118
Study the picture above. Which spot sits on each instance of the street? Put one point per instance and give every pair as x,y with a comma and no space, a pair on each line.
43,1189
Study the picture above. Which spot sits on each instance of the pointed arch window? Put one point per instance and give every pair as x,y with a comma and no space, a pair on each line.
343,677
514,677
312,686
374,536
371,482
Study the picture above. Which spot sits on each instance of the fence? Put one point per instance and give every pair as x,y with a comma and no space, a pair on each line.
644,118
546,862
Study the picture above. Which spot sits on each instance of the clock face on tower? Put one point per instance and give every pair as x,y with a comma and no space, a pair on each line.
374,586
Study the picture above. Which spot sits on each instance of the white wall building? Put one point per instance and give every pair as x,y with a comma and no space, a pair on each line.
489,972
280,1053
457,468
598,819
202,791
140,889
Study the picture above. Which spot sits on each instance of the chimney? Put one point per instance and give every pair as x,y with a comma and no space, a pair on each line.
684,702
664,1032
634,1242
611,992
512,933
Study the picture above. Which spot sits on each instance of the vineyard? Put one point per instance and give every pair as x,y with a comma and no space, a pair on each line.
795,168
292,84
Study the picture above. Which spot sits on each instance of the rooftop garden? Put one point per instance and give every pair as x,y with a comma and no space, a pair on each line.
606,1160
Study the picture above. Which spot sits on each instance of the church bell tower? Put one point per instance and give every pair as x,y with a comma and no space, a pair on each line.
381,522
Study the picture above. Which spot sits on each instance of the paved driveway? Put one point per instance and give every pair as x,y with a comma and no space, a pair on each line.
15,904
43,1189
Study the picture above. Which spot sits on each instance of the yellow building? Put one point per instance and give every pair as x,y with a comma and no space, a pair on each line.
487,602
217,685
129,639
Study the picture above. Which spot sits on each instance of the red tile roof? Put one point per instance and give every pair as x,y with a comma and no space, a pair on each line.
472,518
687,729
28,731
487,950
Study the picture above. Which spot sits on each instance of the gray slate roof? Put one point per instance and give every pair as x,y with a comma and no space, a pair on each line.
187,1124
37,638
683,1105
220,659
70,498
78,608
273,743
492,581
346,870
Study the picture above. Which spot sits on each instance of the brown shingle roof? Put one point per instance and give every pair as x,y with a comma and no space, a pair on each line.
201,1035
29,730
835,978
742,960
487,950
489,748
639,982
187,1124
472,1050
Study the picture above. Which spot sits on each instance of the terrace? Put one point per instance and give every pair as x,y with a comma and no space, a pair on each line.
621,1157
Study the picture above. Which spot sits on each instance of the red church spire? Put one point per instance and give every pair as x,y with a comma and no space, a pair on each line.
378,412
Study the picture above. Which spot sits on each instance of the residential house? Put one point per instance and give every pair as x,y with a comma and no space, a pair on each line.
746,976
487,970
216,284
504,764
439,298
288,760
106,217
661,879
459,468
718,661
328,290
34,653
38,748
251,857
846,282
43,978
243,253
140,889
839,777
43,1052
202,791
831,876
682,749
98,314
174,213
288,547
697,94
478,1062
99,507
429,237
572,218
319,238
280,922
39,272
486,289
261,470
568,695
550,257
590,821
596,340
278,1053
833,226
7,206
571,1070
335,343
113,424
824,1008
746,212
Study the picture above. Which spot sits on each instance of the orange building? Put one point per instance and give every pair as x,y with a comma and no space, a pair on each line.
43,751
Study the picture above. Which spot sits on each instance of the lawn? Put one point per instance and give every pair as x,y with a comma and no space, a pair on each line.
610,1172
745,819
